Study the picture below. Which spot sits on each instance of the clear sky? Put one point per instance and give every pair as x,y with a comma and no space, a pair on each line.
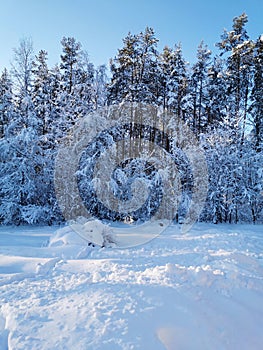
100,25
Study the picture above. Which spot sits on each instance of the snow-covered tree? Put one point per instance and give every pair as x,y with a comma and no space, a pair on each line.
69,59
220,98
41,93
256,107
239,50
197,99
22,67
216,104
173,80
134,69
76,96
100,87
6,101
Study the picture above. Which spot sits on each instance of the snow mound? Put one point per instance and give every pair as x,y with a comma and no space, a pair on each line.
67,244
94,231
121,235
78,241
66,236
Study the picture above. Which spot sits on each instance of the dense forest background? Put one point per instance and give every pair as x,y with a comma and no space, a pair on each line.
220,98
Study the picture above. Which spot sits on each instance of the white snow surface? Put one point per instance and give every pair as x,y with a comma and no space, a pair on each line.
201,290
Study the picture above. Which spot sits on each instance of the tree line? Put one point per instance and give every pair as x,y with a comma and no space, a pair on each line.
219,97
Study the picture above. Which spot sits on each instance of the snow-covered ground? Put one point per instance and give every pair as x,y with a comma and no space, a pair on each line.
202,290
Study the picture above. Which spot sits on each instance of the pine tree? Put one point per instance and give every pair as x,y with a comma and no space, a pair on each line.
82,96
239,49
76,96
69,59
124,71
173,80
134,70
196,101
216,104
6,101
257,96
100,87
147,78
41,94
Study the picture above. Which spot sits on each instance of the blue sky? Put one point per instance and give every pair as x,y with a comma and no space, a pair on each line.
100,25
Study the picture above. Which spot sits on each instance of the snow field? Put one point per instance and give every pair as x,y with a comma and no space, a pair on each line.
201,290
